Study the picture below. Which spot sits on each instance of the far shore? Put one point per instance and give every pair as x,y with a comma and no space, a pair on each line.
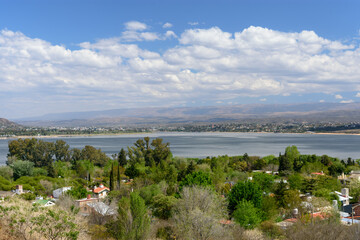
119,134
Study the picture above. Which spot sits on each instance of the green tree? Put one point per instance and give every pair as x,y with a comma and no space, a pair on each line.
122,158
85,168
22,168
292,198
265,181
132,172
96,156
296,181
247,215
249,191
196,178
285,165
280,193
118,177
6,172
75,156
292,153
62,169
112,179
161,151
78,192
132,222
163,205
61,151
336,169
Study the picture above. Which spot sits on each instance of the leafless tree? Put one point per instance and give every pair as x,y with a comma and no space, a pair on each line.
198,214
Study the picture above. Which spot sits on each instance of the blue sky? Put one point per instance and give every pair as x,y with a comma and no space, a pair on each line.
63,56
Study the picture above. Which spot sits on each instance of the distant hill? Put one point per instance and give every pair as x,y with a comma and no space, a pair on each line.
4,123
312,112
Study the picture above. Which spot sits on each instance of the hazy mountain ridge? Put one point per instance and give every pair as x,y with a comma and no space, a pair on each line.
246,112
5,123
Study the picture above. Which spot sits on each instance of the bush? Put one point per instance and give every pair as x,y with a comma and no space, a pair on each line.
5,185
28,196
149,192
39,172
196,178
22,168
6,172
246,215
248,191
163,205
165,233
271,229
78,192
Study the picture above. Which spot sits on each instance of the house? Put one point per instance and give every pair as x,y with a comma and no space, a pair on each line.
19,189
345,179
44,203
101,208
354,175
344,197
58,192
101,191
82,204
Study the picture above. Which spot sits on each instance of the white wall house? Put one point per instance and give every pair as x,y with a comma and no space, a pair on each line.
58,192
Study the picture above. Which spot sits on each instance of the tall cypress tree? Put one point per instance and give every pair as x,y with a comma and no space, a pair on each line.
118,177
122,158
112,178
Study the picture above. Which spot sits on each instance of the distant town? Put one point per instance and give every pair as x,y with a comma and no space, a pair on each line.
281,127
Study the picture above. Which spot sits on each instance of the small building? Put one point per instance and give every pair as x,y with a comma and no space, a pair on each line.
19,189
58,192
101,191
82,204
354,175
344,197
44,203
101,208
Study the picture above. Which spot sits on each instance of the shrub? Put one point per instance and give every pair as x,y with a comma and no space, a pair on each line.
39,172
6,172
163,205
271,229
246,215
22,168
197,178
248,191
5,185
28,196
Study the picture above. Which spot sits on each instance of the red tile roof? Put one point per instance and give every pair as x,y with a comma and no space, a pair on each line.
100,189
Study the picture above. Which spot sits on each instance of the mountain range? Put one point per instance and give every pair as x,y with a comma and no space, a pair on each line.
308,112
5,123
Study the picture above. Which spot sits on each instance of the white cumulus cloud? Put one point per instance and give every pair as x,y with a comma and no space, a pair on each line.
338,96
204,65
167,25
347,101
135,26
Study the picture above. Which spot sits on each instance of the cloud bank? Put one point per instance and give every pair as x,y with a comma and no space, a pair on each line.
205,65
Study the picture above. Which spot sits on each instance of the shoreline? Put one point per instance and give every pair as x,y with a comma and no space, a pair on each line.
133,133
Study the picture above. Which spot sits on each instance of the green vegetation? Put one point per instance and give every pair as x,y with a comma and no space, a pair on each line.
158,195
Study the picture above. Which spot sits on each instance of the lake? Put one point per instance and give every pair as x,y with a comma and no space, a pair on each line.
213,144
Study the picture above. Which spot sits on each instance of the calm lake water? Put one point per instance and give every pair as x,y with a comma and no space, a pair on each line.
214,144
